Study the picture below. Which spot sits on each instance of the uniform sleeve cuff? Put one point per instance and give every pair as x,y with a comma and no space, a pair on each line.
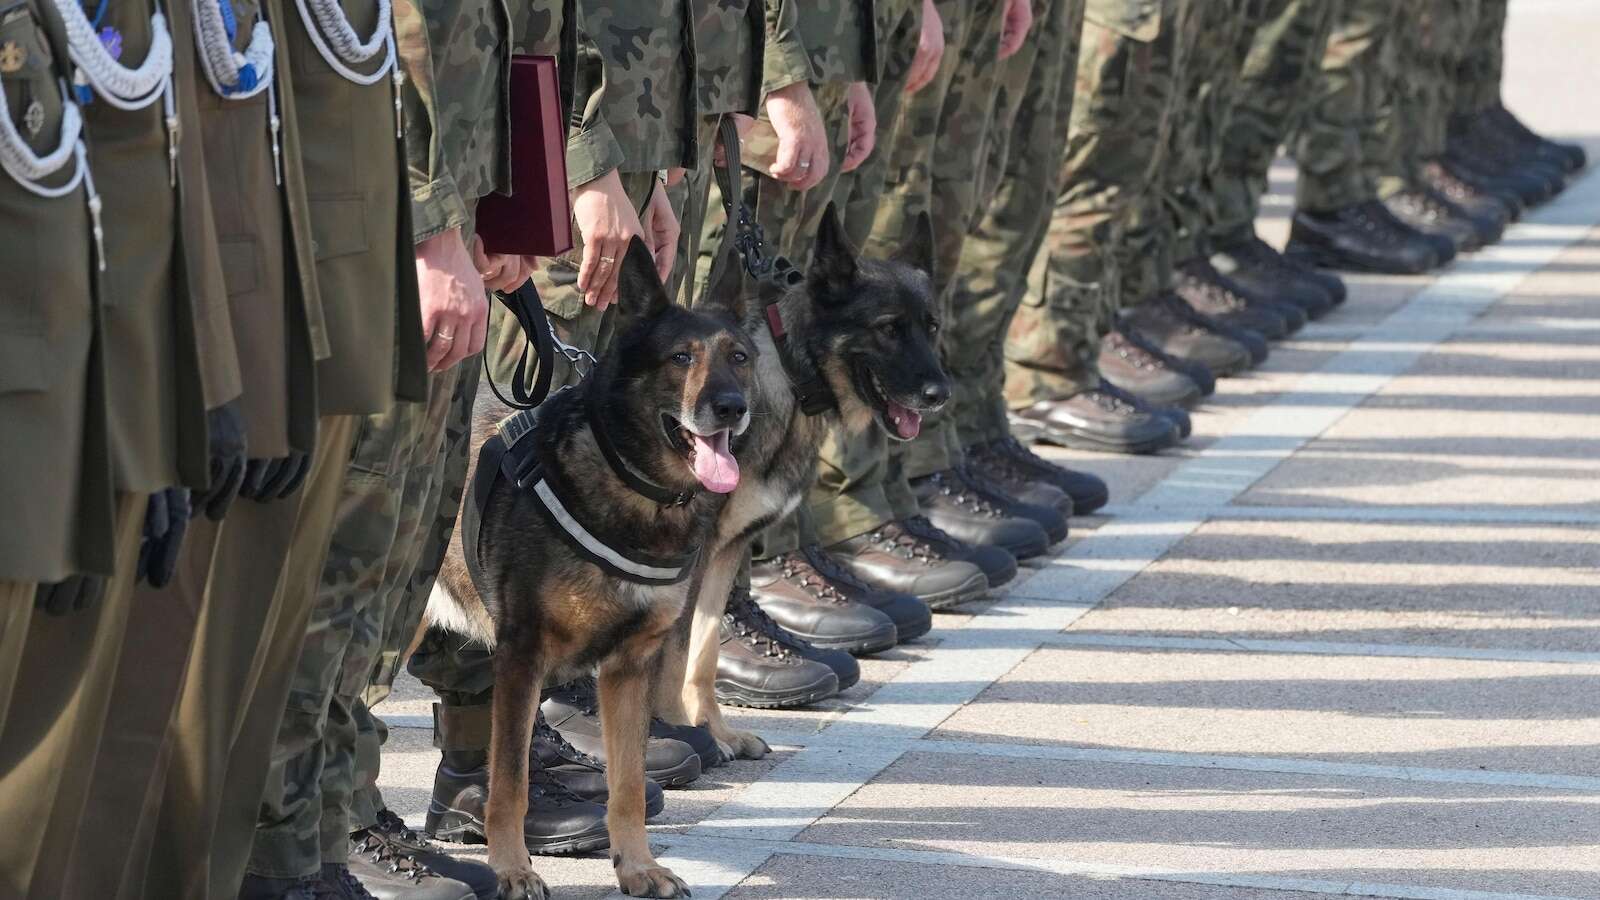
785,62
592,152
436,207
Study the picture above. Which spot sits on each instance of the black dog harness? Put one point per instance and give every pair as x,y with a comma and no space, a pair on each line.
508,456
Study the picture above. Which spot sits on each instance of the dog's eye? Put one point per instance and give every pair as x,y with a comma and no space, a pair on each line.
933,326
889,329
681,359
739,357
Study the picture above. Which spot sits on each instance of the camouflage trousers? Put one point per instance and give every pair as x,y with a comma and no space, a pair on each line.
1280,63
1419,97
1480,60
388,501
1347,123
1118,128
1032,111
461,672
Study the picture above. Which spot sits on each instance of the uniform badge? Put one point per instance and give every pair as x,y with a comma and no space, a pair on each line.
12,57
33,118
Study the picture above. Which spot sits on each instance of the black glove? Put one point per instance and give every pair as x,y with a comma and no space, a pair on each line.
225,432
77,592
166,520
275,479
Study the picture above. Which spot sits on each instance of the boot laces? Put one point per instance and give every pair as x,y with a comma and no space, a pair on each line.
965,495
1033,462
822,562
798,569
542,784
1112,400
583,693
1136,356
750,622
564,747
394,857
894,538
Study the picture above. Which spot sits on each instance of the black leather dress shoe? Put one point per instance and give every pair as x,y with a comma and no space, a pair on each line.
1359,238
1097,420
892,558
972,517
808,605
1255,266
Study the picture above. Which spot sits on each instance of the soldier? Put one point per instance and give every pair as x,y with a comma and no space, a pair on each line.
1121,114
1339,222
1279,61
991,280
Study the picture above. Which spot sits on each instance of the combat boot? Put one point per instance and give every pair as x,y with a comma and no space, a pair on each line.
910,616
582,773
1174,414
1430,214
392,862
1176,329
1261,270
1098,420
558,821
998,566
1049,517
761,665
891,558
806,603
573,709
1359,238
973,517
1569,156
1508,188
699,739
1484,151
1022,486
1220,297
1532,185
1087,491
1444,248
1138,369
1480,204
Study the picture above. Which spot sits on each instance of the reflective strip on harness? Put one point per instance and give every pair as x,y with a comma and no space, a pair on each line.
597,548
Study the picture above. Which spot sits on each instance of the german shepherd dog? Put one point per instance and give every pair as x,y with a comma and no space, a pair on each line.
863,328
672,396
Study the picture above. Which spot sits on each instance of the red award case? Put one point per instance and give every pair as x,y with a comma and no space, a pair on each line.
536,220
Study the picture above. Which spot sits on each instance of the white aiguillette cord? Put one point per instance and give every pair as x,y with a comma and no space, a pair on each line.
29,168
123,87
342,48
240,76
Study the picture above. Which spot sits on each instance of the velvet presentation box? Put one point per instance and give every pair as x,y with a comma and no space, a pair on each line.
536,220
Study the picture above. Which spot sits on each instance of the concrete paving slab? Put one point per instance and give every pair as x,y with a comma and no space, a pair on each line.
1454,585
788,877
1458,714
1440,836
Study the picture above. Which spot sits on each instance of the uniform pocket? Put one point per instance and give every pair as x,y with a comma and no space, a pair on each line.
34,105
338,225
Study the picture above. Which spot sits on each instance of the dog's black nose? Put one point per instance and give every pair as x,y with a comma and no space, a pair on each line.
729,407
935,392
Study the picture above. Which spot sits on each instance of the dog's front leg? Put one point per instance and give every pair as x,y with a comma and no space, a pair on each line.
624,725
517,677
700,681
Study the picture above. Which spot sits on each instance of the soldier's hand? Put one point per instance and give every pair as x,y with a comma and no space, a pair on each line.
661,231
225,436
166,520
802,160
75,593
1019,18
930,49
502,272
863,127
275,479
742,124
676,173
607,220
455,309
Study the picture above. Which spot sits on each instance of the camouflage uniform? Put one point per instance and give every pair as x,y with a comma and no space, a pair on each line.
1033,110
1282,59
1121,113
1341,130
635,92
455,56
1480,60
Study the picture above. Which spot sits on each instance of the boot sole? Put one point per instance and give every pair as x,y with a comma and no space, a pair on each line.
1327,260
975,588
458,827
735,695
1075,440
686,772
856,645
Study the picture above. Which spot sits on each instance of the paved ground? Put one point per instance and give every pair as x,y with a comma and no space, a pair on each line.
1346,642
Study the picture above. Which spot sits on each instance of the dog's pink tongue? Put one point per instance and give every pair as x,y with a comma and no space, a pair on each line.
906,421
715,467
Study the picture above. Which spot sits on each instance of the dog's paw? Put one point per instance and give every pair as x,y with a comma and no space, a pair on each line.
747,746
651,881
523,884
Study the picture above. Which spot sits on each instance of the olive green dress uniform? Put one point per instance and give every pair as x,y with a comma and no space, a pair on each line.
1120,114
998,256
635,113
54,452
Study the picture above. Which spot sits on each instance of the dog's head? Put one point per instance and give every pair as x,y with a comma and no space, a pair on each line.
873,330
680,379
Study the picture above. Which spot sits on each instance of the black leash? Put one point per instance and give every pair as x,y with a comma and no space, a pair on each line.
524,304
772,272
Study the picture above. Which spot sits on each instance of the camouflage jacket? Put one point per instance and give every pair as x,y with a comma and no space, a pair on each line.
784,60
840,37
456,56
729,41
634,88
1136,19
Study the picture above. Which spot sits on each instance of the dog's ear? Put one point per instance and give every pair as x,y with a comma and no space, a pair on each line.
917,251
833,260
726,292
640,292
